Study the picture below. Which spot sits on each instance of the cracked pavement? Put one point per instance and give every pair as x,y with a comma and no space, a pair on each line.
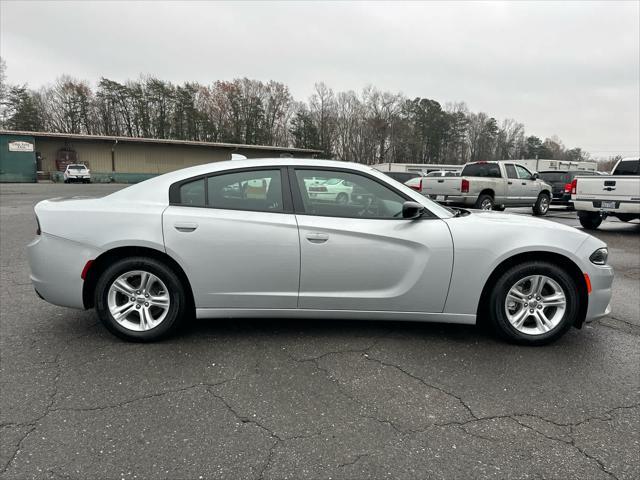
310,399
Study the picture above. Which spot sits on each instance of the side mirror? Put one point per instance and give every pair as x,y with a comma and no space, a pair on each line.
535,176
412,210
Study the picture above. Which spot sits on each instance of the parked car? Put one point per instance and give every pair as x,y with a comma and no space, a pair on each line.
492,186
618,195
561,184
403,177
147,255
333,189
76,172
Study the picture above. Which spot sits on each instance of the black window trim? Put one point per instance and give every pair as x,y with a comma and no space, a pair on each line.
287,201
298,205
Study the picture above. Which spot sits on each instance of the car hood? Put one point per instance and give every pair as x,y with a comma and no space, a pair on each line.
517,230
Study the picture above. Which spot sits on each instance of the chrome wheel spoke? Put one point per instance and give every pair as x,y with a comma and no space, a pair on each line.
146,322
516,295
518,319
122,286
123,311
555,300
161,301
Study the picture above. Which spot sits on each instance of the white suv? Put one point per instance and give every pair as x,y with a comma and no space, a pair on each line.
77,173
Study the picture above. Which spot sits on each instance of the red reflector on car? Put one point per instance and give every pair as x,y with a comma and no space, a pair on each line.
588,281
464,186
567,188
574,186
85,270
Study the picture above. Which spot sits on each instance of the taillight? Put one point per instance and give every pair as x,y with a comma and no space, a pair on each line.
574,186
464,186
38,230
567,188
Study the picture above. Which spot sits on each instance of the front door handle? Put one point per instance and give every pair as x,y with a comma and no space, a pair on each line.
185,227
317,237
509,183
524,183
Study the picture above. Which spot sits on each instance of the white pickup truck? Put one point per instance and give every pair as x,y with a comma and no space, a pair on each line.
618,195
491,186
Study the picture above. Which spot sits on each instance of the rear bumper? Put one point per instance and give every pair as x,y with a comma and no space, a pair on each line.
56,265
621,206
465,201
561,199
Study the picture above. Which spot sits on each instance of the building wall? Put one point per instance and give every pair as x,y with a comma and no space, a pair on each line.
137,161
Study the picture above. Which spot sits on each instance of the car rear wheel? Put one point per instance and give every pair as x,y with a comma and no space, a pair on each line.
541,206
533,303
484,202
590,220
140,299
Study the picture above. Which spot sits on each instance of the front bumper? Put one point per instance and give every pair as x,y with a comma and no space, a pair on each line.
601,279
56,265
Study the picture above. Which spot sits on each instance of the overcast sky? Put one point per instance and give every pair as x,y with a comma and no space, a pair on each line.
569,69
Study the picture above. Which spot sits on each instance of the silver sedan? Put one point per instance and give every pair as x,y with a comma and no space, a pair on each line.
250,239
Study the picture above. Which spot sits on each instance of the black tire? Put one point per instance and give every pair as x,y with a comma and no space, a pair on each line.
497,298
484,200
541,207
178,299
499,208
342,198
589,220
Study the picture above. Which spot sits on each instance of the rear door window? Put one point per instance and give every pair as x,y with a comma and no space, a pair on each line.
256,190
192,193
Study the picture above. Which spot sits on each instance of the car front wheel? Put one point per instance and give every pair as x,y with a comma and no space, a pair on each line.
140,299
533,303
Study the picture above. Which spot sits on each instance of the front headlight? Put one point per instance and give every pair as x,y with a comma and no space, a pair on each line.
599,257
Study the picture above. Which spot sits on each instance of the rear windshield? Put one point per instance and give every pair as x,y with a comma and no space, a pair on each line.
627,167
402,176
554,177
76,167
481,170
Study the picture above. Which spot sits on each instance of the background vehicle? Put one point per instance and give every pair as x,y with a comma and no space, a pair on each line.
492,185
617,195
76,172
149,254
561,185
332,189
403,177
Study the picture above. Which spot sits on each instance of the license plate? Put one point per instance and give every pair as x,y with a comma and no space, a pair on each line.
440,198
608,204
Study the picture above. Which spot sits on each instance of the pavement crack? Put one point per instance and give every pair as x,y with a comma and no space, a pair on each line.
425,383
17,449
355,460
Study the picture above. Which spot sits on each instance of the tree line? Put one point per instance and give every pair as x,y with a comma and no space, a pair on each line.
368,127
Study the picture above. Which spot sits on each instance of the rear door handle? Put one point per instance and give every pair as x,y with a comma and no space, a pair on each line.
524,183
440,181
317,237
509,183
185,227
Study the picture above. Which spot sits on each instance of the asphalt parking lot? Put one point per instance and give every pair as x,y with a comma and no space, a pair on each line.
311,399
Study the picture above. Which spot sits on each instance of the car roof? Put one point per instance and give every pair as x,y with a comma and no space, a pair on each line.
156,187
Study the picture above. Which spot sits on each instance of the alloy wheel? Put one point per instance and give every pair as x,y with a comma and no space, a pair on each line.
535,304
138,300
